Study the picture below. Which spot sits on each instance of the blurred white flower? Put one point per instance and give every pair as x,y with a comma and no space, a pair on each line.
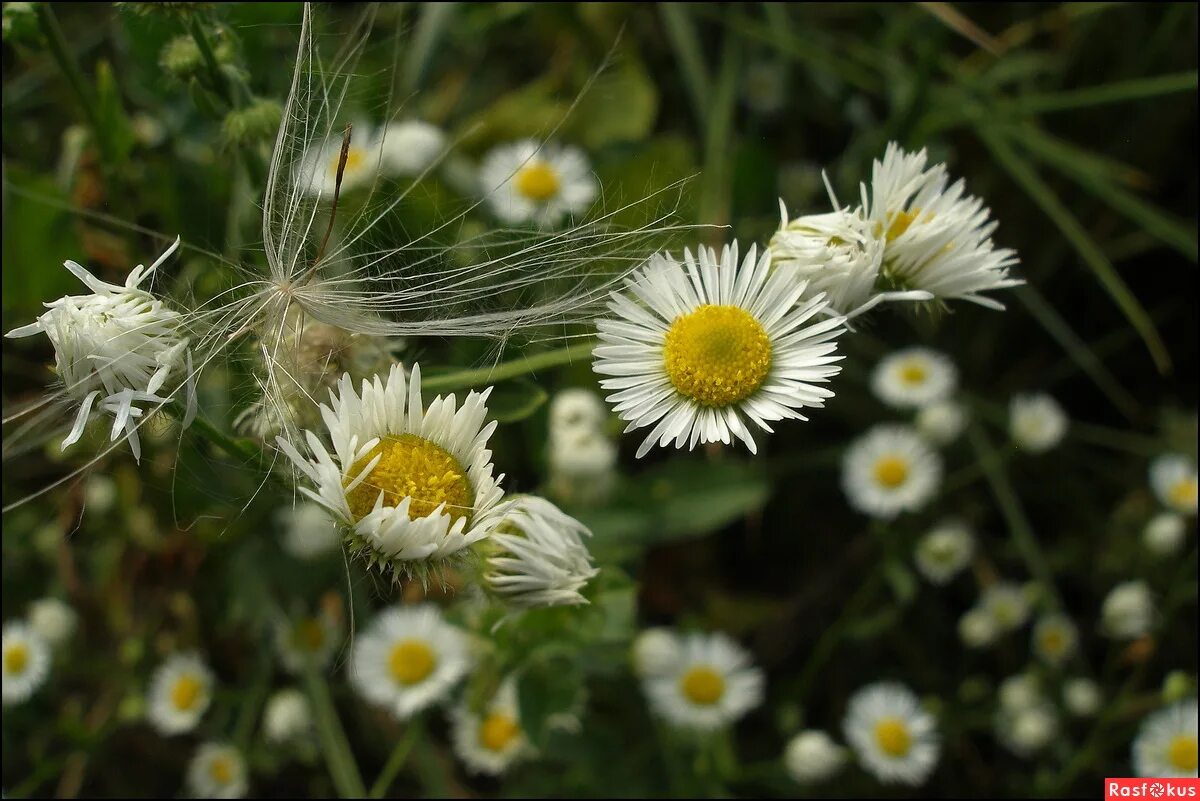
287,716
941,422
1165,746
943,552
492,741
180,692
217,771
1028,730
26,662
977,629
309,531
1055,639
538,557
411,146
1082,697
307,641
1020,692
914,378
712,684
1128,611
1164,534
1173,478
1036,422
527,182
54,620
812,756
582,466
99,493
656,651
895,739
890,470
317,171
576,411
1007,604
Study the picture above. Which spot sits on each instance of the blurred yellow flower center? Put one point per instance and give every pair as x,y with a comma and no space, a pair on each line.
913,373
892,737
497,730
891,471
537,181
1053,641
1183,492
702,685
356,157
16,658
411,467
186,692
221,770
1182,753
411,661
308,635
717,355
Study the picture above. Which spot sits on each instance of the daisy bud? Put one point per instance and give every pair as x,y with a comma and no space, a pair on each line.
54,620
1164,534
1036,422
812,756
942,421
538,556
286,716
1128,611
655,651
1082,697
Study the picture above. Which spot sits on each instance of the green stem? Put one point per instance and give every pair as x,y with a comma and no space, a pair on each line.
251,706
334,746
70,70
827,645
397,759
220,84
465,379
230,445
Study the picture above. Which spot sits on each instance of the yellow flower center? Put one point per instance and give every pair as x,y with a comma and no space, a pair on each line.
411,661
221,770
16,659
1053,641
717,355
900,221
702,685
308,635
497,730
1182,753
913,373
356,157
891,734
187,692
1183,492
537,181
412,467
891,471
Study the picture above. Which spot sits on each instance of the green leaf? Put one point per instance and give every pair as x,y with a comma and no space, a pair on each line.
38,238
1116,92
620,106
115,129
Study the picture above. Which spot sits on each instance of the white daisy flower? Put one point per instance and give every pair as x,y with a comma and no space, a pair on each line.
938,237
896,741
538,556
527,182
656,652
945,551
1020,691
180,693
1173,478
702,347
317,171
713,684
54,620
217,771
1007,604
408,658
1036,422
1029,730
1128,611
115,348
914,377
890,470
308,530
1082,697
1165,746
410,483
977,629
575,412
941,422
26,662
1055,639
286,716
409,147
812,756
1164,534
307,641
492,741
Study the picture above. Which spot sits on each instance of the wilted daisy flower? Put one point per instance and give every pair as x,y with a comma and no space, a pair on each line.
1020,691
308,530
26,662
1007,604
1055,639
286,716
945,551
1028,730
941,422
701,347
1036,423
1166,742
409,483
409,147
656,652
812,756
712,684
890,470
528,182
896,741
977,629
1164,534
1173,478
1081,697
408,658
914,377
491,741
538,556
317,170
217,771
180,692
53,619
305,642
938,237
114,348
1128,611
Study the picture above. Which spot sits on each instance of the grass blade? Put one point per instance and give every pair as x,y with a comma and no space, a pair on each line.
686,44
